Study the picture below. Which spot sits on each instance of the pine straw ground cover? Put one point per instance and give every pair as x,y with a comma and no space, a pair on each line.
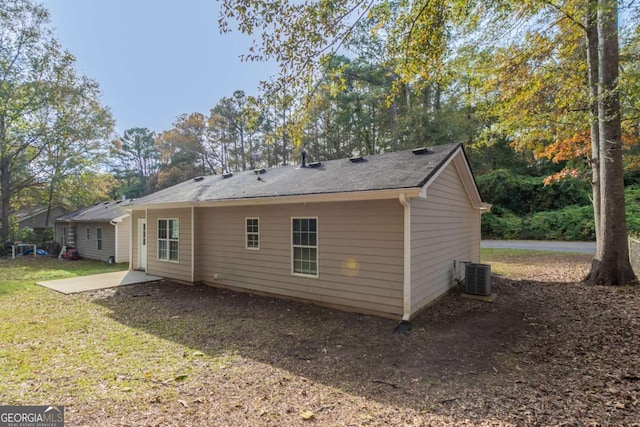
549,351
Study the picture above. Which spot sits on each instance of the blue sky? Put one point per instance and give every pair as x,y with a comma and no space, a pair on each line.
155,59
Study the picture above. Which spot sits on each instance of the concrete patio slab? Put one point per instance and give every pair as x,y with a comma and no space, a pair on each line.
98,281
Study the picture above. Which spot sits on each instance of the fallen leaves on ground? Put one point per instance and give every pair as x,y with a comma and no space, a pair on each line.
549,351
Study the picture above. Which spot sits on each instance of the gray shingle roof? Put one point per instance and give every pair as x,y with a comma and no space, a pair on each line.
396,170
99,212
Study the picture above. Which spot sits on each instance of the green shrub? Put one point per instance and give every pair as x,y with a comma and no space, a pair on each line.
500,223
632,199
524,208
523,194
26,235
569,223
503,188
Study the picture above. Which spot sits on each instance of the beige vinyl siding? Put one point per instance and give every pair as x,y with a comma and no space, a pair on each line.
180,270
123,230
88,248
444,227
360,253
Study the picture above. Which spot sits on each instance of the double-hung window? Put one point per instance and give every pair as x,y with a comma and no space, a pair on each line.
252,229
88,233
304,246
99,238
168,236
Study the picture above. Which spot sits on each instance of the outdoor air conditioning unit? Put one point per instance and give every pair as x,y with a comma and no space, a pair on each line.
478,279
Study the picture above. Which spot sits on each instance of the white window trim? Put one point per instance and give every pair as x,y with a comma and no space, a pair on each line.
176,261
317,247
247,233
99,242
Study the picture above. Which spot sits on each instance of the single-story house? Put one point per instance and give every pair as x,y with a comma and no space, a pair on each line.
379,234
39,219
98,232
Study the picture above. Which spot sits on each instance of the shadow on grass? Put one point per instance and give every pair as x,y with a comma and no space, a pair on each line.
455,341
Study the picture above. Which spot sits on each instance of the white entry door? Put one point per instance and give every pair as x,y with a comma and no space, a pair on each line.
142,244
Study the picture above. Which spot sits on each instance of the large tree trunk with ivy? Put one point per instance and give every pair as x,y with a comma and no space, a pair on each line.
611,264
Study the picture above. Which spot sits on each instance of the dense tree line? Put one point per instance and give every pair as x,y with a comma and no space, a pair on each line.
52,126
549,73
543,94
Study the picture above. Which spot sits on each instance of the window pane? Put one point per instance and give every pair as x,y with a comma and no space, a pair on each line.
306,254
173,229
296,237
297,225
313,225
162,229
162,249
173,250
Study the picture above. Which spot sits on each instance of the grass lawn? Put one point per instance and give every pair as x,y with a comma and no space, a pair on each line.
161,354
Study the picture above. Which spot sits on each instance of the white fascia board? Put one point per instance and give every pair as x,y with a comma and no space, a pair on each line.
120,218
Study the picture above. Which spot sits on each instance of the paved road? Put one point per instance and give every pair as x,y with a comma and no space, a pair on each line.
581,247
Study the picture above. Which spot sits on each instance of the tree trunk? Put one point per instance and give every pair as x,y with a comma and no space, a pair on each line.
49,207
592,63
284,136
394,125
242,153
5,198
613,266
5,186
437,102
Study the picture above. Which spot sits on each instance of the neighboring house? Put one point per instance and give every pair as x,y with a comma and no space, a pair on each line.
378,234
36,219
98,232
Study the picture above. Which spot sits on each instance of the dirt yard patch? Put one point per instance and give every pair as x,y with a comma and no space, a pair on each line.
546,353
549,351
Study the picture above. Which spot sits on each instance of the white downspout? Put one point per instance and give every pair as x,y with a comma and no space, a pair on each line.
193,245
407,257
115,250
146,237
131,240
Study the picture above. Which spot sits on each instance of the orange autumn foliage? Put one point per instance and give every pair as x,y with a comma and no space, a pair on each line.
578,146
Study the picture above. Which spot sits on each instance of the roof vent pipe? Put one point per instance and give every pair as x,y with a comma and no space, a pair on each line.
304,157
